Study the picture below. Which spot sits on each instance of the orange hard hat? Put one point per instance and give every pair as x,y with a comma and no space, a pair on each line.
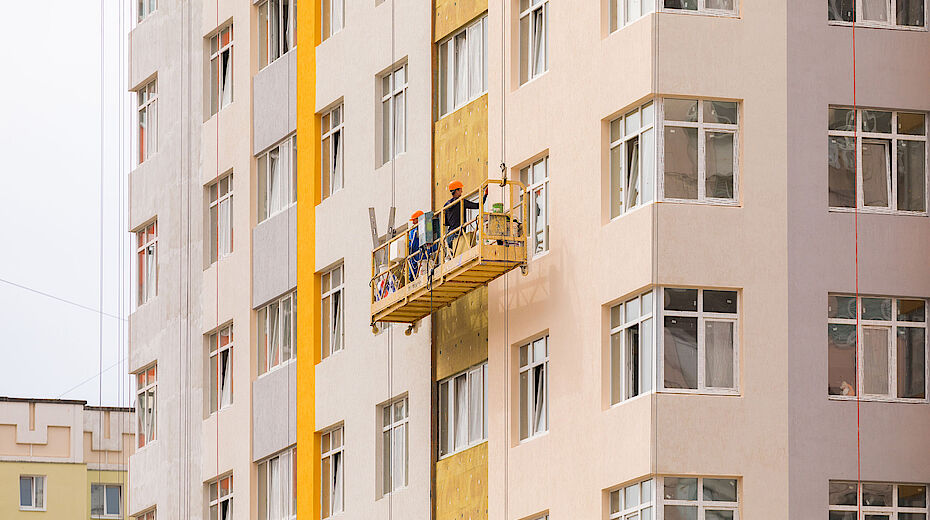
416,215
455,185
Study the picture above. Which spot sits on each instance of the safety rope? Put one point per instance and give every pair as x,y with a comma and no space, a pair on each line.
506,332
100,274
393,141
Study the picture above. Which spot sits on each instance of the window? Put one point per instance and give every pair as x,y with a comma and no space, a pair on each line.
632,159
147,99
536,178
145,8
221,68
221,368
32,493
892,150
878,501
221,228
463,411
147,262
331,152
700,498
633,502
631,351
331,472
333,332
463,66
699,341
105,500
148,515
700,150
221,499
277,178
624,12
892,351
145,405
393,113
276,333
277,487
878,13
534,388
534,38
702,6
394,440
333,17
276,27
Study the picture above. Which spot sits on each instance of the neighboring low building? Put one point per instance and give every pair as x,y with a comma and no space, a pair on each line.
59,457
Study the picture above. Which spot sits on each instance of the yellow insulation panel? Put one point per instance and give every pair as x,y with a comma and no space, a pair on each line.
462,485
461,333
453,14
461,149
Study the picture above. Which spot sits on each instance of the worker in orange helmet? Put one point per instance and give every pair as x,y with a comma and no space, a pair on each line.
453,210
414,252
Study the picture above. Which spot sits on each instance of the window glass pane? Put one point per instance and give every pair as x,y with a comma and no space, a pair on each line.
631,122
632,310
719,160
680,342
461,412
616,371
912,496
877,494
444,418
875,360
25,491
912,516
843,493
911,124
690,5
96,500
841,307
910,12
524,405
718,357
841,354
615,319
911,175
681,299
876,120
876,309
475,406
842,10
718,515
720,489
616,181
113,501
680,512
874,10
631,496
911,363
842,172
645,356
842,515
615,501
647,304
842,119
649,168
681,109
681,174
724,5
677,488
720,301
876,167
723,112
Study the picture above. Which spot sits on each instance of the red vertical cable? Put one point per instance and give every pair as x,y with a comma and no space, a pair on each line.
858,310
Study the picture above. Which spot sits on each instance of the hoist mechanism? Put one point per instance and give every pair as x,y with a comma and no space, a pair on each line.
442,256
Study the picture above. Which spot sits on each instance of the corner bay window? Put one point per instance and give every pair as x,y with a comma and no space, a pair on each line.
631,348
332,467
463,410
276,333
878,501
632,159
699,339
277,178
221,67
221,499
689,498
534,38
889,173
276,26
878,13
892,349
332,17
463,66
632,502
700,144
535,177
534,388
701,6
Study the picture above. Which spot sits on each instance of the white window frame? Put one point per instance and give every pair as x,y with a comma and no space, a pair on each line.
221,500
332,453
221,388
620,509
892,511
393,426
892,327
274,43
285,153
892,22
106,513
393,95
332,315
701,503
332,20
146,385
535,190
145,8
147,121
620,323
892,175
530,12
280,495
332,151
618,15
218,85
277,329
35,506
531,408
638,124
452,64
449,432
147,262
221,213
702,318
701,9
702,130
148,515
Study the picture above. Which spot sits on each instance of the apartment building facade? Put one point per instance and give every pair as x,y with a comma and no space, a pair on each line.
61,458
704,205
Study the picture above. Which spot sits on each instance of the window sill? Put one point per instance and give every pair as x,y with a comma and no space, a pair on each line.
394,492
631,211
876,25
879,211
540,256
689,12
876,399
331,355
278,58
463,105
276,213
631,399
144,446
275,368
217,412
533,438
330,196
704,391
534,78
704,202
461,450
32,509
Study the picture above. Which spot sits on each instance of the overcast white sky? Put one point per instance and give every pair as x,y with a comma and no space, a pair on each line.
50,225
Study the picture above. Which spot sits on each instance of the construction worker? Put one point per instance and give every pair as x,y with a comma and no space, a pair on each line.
454,209
414,252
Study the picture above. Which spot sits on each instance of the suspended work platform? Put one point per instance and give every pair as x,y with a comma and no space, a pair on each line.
430,265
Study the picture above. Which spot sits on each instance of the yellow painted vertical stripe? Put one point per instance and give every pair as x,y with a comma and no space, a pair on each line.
308,305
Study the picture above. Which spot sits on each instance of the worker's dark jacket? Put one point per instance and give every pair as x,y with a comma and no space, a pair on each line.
453,212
